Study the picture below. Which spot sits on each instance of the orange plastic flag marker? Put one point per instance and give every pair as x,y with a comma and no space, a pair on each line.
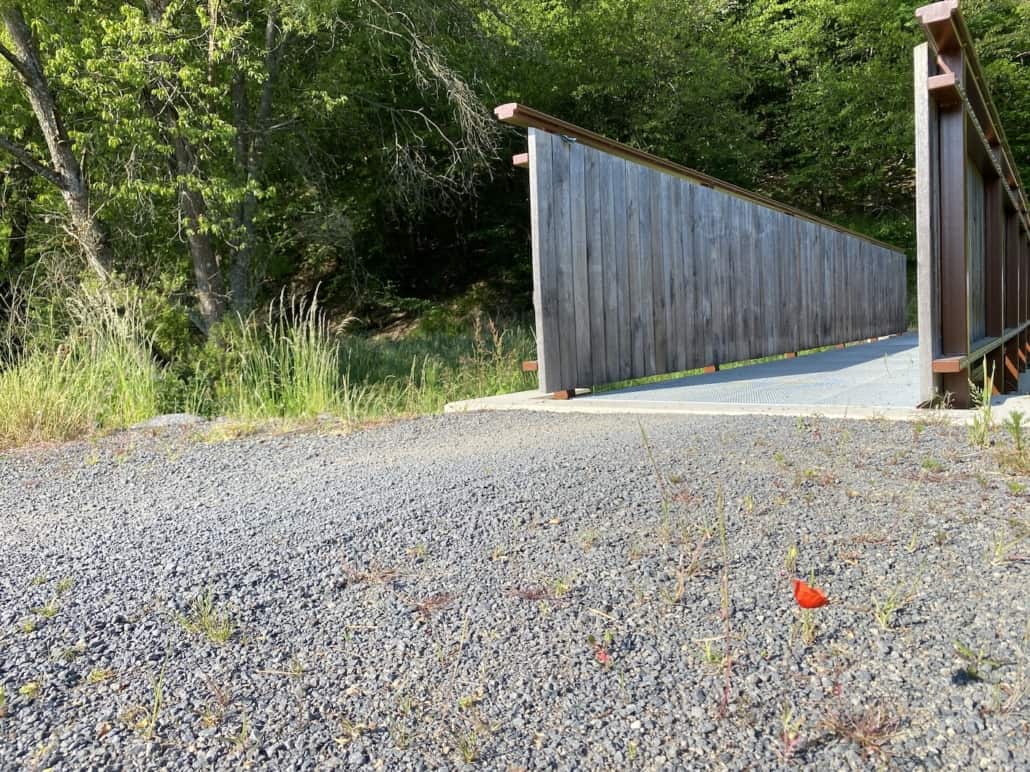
808,597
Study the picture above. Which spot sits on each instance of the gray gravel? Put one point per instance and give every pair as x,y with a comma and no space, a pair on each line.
404,597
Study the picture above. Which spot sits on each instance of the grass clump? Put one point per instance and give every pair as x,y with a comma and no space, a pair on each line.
206,619
286,368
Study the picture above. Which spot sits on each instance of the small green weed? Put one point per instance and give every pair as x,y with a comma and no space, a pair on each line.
467,746
48,610
983,418
1015,428
975,661
204,618
98,675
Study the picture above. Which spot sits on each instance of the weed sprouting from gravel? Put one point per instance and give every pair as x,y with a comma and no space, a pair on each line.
242,738
350,731
790,734
156,704
983,418
3,703
885,609
435,602
48,610
1016,429
1003,545
29,690
99,675
975,661
467,746
374,574
663,490
205,618
588,539
808,627
871,729
790,562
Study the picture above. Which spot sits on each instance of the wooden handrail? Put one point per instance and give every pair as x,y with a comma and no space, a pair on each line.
958,363
521,115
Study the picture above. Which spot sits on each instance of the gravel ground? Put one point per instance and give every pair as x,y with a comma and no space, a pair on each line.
508,590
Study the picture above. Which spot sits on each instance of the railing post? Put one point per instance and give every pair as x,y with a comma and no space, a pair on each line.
927,217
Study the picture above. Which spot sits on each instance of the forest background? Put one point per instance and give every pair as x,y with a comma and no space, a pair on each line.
293,208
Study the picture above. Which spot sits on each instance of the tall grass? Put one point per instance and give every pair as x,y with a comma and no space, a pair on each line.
420,375
101,376
96,371
289,367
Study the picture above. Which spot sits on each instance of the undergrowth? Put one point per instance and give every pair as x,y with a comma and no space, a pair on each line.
96,369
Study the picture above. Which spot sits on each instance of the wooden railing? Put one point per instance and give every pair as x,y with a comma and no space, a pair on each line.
972,225
642,266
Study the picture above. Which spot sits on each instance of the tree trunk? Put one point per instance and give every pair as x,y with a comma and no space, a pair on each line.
209,286
207,275
66,173
244,274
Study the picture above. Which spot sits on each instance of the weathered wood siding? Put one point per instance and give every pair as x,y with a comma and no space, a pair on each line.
975,251
640,272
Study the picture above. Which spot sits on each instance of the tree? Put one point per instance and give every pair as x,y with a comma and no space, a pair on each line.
63,170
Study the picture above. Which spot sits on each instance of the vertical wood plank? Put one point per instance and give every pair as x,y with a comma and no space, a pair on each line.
975,249
796,281
692,315
636,273
724,253
672,247
623,225
563,204
545,276
608,216
761,246
736,282
659,269
597,332
646,259
706,292
580,265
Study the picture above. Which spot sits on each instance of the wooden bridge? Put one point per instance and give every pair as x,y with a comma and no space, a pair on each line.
974,247
644,267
